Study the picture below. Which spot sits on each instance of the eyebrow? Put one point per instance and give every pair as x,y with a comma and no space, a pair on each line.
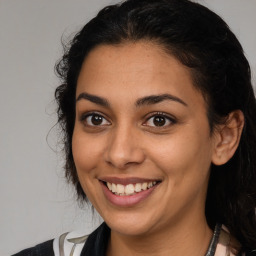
148,100
154,99
94,99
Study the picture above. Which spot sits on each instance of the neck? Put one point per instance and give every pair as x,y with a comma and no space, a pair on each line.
191,238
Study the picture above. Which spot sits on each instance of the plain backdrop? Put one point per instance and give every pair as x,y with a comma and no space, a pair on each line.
36,204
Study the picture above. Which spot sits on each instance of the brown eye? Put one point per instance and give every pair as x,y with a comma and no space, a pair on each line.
159,120
95,120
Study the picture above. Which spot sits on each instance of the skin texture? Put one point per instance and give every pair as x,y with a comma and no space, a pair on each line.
127,144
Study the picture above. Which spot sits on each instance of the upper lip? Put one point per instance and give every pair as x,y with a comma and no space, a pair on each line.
126,181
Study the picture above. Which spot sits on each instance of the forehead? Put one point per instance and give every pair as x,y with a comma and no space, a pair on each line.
133,70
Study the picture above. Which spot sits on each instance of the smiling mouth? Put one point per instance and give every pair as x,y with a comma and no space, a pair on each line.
129,189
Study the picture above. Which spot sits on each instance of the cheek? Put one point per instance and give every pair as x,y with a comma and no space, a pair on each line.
86,157
85,152
183,157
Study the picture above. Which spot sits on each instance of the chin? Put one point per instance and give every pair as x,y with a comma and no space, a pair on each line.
129,224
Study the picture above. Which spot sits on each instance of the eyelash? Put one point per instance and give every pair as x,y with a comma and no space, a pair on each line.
166,118
85,116
171,120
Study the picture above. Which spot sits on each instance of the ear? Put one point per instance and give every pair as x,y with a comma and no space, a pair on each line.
227,137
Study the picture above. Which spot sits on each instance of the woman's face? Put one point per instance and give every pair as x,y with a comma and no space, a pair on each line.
141,143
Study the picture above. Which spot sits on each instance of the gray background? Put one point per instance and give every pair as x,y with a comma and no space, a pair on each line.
35,202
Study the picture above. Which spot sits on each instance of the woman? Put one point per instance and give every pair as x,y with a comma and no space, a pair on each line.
158,114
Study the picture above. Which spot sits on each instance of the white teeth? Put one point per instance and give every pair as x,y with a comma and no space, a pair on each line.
113,188
109,185
129,189
120,188
150,184
144,186
137,187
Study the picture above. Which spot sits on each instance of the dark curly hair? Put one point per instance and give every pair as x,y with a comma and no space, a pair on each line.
202,41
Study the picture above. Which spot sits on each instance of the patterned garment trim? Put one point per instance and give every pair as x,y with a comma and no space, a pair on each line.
69,244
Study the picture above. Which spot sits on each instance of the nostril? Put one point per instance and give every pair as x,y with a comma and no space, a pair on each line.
125,159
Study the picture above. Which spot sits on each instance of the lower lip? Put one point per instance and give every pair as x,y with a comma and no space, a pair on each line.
127,201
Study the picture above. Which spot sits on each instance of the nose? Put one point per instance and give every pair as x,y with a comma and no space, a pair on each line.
124,148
